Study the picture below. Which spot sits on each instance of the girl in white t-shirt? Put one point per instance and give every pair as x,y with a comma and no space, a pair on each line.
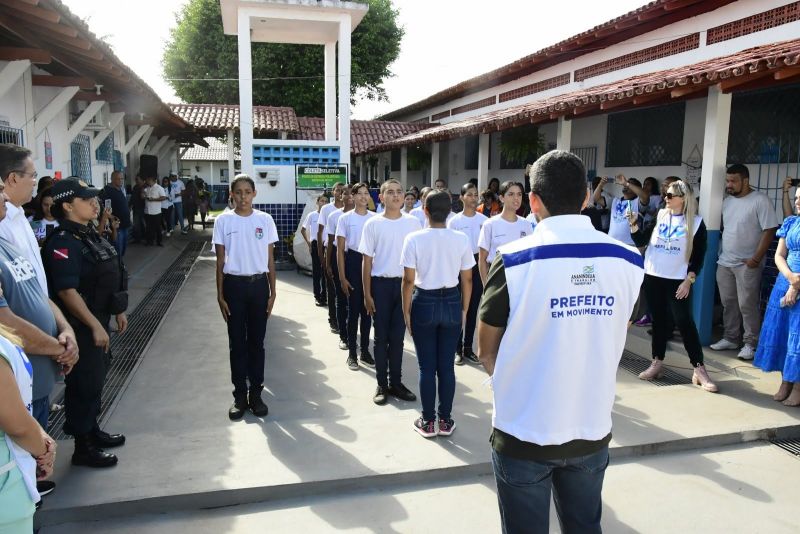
433,259
244,240
309,233
503,228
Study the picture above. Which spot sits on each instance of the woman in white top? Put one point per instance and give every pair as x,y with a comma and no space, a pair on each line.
676,247
433,259
43,222
27,453
409,202
503,228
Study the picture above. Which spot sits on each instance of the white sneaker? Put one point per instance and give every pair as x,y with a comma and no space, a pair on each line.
724,344
169,233
747,353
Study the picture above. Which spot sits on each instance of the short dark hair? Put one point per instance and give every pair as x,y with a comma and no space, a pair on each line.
385,185
242,178
652,180
438,205
466,187
559,179
11,158
359,186
440,180
738,168
505,186
635,182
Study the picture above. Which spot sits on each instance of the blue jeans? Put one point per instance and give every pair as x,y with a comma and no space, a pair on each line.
523,492
436,327
121,243
178,214
390,330
41,411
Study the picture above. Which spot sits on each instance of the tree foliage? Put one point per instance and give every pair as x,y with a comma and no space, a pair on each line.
202,66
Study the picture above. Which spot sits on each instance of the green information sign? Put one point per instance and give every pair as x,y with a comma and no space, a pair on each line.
319,176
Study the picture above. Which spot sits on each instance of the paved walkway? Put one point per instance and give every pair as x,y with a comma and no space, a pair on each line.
325,440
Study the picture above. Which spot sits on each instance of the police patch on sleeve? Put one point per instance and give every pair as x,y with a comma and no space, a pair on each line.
60,253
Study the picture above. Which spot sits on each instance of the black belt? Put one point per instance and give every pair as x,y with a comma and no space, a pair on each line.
440,291
248,277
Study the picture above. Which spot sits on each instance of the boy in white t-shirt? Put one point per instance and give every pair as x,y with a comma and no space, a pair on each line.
503,228
433,259
348,237
154,194
322,243
332,265
381,273
244,240
469,222
309,231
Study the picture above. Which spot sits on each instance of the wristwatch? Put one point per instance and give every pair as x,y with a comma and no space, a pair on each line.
692,278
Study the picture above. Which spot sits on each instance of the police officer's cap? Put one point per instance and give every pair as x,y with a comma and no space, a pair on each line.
67,189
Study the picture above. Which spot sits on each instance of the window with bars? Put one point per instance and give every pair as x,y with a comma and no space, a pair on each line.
765,126
11,135
81,164
105,152
633,141
471,153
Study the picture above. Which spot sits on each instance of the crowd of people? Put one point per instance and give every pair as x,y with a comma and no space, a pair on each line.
455,281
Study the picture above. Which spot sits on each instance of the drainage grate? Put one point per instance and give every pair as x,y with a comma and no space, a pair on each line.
128,348
791,445
635,364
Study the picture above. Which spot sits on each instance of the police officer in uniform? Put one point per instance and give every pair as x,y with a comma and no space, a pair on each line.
87,281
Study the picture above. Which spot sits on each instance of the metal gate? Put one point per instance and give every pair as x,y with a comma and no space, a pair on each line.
588,155
81,158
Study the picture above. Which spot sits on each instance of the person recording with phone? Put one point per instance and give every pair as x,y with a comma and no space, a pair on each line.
115,201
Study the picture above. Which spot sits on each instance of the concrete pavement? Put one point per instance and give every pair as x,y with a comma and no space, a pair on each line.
325,438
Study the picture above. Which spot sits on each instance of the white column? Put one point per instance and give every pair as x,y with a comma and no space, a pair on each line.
483,161
404,168
245,94
362,171
29,133
715,151
231,161
330,91
211,174
564,135
435,155
345,28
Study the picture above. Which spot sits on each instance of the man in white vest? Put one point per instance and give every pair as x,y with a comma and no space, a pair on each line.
554,387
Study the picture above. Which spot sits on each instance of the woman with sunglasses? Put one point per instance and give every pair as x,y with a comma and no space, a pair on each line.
779,345
676,246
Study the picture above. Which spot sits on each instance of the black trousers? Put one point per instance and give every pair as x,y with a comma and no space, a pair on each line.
247,326
330,289
468,334
667,312
153,228
390,329
357,317
316,272
341,300
84,385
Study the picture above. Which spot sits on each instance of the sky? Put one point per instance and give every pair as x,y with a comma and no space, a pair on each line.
446,41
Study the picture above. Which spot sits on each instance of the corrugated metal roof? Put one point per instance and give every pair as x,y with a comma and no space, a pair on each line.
699,75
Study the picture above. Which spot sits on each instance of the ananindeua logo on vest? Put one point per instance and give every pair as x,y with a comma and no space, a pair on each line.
585,278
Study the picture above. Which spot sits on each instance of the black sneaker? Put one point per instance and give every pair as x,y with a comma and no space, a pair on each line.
471,356
256,405
459,350
459,359
45,487
343,345
426,429
237,409
401,392
381,396
352,363
320,304
334,330
446,427
367,359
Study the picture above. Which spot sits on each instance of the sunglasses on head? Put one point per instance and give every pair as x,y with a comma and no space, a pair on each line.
670,196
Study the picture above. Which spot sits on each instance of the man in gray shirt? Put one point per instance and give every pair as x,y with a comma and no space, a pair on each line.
749,223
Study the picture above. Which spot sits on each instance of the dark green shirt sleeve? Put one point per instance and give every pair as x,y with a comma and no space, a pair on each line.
494,307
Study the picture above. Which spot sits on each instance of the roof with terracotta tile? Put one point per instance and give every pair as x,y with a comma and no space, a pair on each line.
215,117
753,63
644,19
363,134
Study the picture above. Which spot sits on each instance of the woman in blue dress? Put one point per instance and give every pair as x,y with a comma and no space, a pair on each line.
779,344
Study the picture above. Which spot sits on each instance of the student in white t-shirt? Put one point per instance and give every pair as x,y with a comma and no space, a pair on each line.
309,231
332,264
503,228
433,260
381,273
322,241
154,194
348,238
244,240
469,222
409,201
419,211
